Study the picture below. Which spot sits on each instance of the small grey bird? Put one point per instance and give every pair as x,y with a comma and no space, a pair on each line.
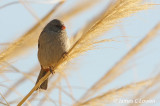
52,44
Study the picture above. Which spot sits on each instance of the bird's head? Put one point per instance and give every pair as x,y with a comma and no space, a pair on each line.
55,25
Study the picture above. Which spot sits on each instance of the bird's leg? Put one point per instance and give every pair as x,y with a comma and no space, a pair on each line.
42,67
50,69
64,55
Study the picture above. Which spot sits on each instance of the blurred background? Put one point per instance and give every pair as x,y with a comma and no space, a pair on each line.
20,67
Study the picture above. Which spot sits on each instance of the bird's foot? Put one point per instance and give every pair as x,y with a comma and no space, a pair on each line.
64,55
51,69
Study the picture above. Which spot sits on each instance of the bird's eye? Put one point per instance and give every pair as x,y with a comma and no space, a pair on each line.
58,26
62,27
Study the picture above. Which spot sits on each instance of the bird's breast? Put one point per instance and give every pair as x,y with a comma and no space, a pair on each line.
51,49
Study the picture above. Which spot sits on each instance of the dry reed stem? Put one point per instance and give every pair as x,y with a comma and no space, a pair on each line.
19,82
68,85
29,9
68,94
115,71
31,36
17,92
21,45
3,103
34,88
85,43
32,98
147,97
60,95
79,34
78,9
54,85
11,3
4,99
47,97
150,95
155,92
18,71
61,75
107,21
50,88
38,2
23,41
111,96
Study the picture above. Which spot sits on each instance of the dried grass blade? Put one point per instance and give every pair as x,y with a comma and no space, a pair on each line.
111,96
86,41
31,36
115,70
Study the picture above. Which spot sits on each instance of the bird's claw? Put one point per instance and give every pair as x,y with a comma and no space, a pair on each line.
64,55
50,69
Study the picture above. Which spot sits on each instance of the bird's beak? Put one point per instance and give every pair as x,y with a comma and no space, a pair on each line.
63,27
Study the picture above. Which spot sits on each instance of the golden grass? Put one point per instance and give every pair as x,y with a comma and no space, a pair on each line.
119,10
53,86
147,96
117,69
65,17
86,39
29,9
4,100
113,95
139,88
20,45
38,2
82,6
19,82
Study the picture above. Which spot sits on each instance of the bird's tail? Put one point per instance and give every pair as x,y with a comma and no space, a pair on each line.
45,83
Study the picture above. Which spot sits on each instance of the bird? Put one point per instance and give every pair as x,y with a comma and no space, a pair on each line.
53,43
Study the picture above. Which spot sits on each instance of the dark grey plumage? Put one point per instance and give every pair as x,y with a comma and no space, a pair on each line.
45,83
52,44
